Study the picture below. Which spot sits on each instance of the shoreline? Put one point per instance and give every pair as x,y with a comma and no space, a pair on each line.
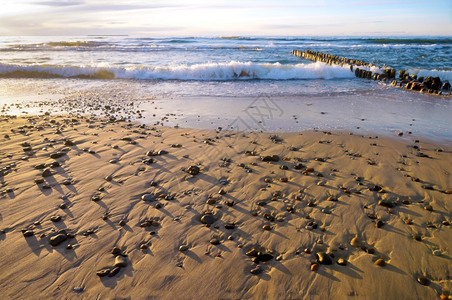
385,111
298,198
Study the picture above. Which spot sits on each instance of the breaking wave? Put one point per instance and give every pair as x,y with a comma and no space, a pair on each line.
232,70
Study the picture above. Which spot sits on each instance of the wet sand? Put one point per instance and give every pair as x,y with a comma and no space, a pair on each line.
305,215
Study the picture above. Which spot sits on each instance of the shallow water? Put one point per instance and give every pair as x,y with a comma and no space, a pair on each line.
382,110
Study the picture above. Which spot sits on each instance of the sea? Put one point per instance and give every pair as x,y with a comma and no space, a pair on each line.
204,79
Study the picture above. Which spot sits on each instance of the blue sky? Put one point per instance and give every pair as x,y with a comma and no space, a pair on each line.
232,17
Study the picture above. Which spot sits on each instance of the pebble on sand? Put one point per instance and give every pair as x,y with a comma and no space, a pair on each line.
193,170
355,242
380,262
120,261
183,248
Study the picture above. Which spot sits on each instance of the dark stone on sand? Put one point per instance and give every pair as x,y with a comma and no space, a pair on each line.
39,180
40,166
268,158
55,218
57,155
68,142
120,261
183,248
67,182
104,271
423,280
256,270
193,170
148,197
57,239
386,203
342,262
208,219
323,258
54,164
298,166
229,226
46,173
262,256
379,223
116,251
380,262
28,233
114,271
214,241
163,152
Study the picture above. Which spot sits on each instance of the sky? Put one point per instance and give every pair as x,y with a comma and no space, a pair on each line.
229,17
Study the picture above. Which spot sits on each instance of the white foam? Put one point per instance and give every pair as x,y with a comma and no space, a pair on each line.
209,71
444,75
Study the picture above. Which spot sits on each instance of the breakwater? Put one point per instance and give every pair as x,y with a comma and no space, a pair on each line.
430,85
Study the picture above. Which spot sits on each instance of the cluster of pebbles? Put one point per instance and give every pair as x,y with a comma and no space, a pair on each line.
292,187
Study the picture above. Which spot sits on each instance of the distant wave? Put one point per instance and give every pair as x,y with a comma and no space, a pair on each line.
410,41
209,71
74,44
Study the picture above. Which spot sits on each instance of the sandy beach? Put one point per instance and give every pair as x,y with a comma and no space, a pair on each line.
96,208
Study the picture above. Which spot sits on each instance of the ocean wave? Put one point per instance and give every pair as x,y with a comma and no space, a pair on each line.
204,72
74,44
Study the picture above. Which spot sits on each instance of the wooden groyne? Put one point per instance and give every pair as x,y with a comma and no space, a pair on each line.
431,85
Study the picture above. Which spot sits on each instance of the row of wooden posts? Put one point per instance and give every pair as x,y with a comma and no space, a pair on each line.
431,85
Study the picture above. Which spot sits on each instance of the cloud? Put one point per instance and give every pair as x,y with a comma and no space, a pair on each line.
60,3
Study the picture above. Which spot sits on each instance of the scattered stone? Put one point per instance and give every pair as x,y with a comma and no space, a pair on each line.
28,233
148,197
386,203
423,280
214,241
183,248
57,239
256,270
268,158
120,261
229,226
355,242
78,289
428,207
67,181
267,227
193,170
116,251
40,166
314,267
380,262
323,258
114,271
56,155
46,173
417,237
55,218
208,219
437,252
104,271
341,262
